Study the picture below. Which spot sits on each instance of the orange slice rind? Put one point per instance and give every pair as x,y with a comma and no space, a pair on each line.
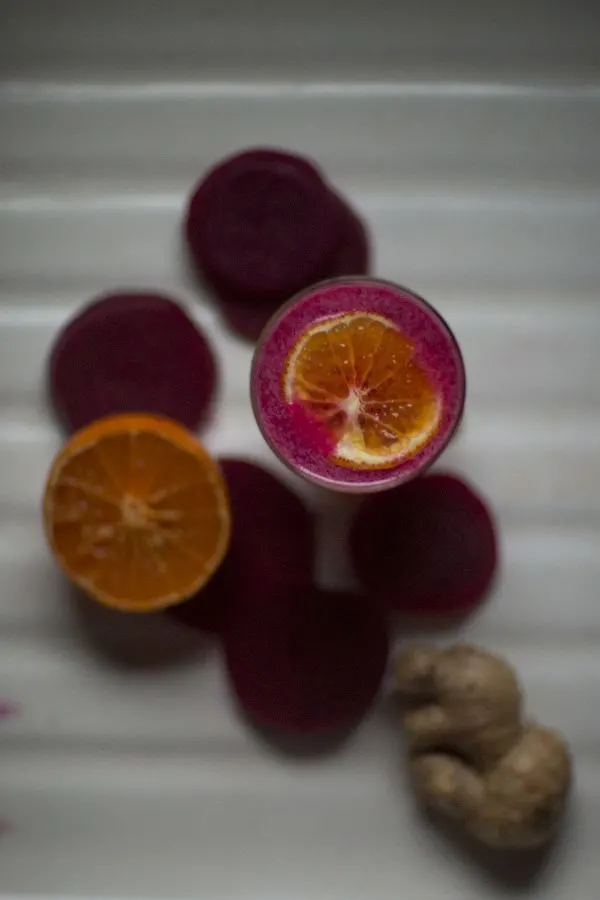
357,376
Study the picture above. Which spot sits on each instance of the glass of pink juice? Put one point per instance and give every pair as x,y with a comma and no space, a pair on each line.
357,384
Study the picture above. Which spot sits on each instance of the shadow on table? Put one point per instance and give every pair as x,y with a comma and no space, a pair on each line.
135,641
298,745
516,872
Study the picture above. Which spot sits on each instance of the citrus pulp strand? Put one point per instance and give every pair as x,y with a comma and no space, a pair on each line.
341,343
307,390
322,411
76,501
125,577
401,422
176,492
114,456
177,557
408,384
84,470
188,537
377,437
390,358
144,564
366,337
86,545
152,464
317,365
192,500
155,462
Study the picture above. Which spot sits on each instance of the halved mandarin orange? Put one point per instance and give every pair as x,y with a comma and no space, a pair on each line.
136,512
357,376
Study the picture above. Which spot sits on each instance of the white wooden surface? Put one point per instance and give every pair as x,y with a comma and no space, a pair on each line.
468,134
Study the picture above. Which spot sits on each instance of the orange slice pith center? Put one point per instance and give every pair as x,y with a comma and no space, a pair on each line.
138,517
356,375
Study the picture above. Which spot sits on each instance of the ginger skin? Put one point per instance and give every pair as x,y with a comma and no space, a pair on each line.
471,756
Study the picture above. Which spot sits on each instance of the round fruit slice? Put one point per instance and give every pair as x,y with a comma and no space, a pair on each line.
427,547
317,665
356,378
132,352
272,544
136,512
262,223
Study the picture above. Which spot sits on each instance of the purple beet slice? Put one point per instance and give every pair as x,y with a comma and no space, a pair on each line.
248,316
272,545
273,539
428,547
131,352
352,254
262,223
318,664
207,610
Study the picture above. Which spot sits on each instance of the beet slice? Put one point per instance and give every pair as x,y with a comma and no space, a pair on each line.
272,545
352,254
207,610
273,539
247,316
262,223
427,547
131,352
316,663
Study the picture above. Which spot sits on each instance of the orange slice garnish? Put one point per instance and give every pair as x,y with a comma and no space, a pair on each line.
356,375
136,512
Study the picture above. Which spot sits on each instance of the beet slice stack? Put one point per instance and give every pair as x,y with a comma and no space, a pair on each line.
262,222
299,658
427,547
262,225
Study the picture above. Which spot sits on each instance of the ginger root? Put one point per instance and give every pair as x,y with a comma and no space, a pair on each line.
471,755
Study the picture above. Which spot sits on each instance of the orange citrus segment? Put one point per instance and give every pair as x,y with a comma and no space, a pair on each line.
357,376
136,512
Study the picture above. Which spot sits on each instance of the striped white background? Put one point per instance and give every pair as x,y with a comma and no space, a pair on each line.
468,135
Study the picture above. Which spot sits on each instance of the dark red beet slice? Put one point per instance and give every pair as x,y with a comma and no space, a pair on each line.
131,352
352,255
262,223
272,545
427,547
273,539
248,316
207,610
316,665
